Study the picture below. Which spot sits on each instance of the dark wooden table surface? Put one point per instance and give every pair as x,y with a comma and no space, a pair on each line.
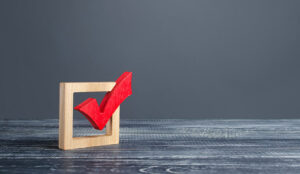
156,146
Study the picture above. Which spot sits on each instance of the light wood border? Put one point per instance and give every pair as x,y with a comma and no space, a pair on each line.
66,139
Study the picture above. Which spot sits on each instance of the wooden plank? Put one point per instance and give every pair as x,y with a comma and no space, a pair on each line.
156,146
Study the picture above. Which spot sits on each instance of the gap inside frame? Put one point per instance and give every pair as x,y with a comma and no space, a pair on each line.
81,125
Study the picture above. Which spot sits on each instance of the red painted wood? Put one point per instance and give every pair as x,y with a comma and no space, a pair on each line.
99,115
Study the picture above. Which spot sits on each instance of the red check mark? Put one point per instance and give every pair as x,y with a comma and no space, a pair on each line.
98,115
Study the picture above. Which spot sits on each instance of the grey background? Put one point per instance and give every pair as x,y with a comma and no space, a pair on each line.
190,58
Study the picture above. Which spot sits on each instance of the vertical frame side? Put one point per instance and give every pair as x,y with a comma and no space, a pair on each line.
116,126
65,117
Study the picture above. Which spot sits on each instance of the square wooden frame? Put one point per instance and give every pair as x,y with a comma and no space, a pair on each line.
66,139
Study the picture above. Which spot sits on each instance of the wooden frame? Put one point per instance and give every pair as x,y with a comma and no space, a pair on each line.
66,139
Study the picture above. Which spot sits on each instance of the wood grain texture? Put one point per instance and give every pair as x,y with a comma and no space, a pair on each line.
66,141
156,146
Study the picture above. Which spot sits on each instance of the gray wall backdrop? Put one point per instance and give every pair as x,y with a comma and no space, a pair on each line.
190,58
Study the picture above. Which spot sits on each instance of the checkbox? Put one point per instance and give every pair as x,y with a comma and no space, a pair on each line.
66,97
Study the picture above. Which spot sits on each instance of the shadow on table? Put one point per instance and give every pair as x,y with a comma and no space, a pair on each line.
30,143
